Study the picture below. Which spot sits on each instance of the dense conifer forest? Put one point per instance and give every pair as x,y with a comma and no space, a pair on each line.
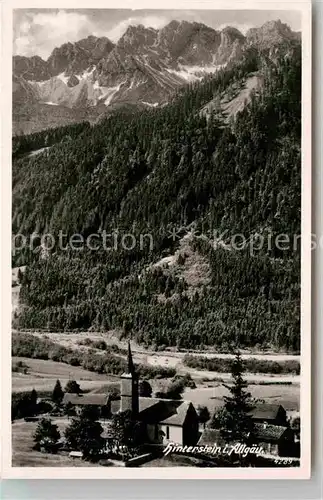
153,171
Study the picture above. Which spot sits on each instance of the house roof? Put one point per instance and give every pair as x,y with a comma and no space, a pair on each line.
163,411
268,432
266,411
179,417
85,399
144,403
262,432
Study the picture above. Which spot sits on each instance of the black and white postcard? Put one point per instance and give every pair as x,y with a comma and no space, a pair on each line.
157,295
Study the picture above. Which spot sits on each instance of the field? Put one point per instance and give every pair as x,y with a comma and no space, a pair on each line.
42,375
212,397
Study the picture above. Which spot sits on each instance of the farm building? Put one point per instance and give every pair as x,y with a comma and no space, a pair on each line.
274,414
79,401
276,440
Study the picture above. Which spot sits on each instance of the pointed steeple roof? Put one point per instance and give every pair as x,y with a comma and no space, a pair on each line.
131,366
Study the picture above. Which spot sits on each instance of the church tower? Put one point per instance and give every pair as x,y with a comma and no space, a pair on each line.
129,387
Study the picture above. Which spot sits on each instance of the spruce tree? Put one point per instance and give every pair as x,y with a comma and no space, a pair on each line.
73,387
234,420
58,393
33,402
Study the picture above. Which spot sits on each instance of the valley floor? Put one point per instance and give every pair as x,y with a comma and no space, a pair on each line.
172,358
43,374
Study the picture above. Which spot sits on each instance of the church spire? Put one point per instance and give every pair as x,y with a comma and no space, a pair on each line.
131,366
129,387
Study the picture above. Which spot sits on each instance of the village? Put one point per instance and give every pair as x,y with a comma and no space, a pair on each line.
132,428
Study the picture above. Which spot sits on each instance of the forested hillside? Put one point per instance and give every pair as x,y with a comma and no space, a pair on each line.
155,171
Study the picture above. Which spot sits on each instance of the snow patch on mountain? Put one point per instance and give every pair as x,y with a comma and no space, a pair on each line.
212,68
111,93
152,104
194,73
61,77
184,75
86,74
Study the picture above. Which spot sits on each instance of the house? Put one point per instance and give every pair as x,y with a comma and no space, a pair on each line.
271,431
275,440
268,413
165,420
79,401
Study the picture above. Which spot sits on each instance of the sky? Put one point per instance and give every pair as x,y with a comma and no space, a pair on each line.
39,31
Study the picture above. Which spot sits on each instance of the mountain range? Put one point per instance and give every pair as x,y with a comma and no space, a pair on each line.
89,78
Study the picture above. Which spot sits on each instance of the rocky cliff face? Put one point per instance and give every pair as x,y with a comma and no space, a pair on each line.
271,34
31,68
144,67
74,58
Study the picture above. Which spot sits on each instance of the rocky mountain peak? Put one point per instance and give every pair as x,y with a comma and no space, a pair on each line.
31,68
75,58
137,37
271,33
233,33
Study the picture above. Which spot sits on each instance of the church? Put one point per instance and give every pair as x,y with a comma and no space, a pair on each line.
166,420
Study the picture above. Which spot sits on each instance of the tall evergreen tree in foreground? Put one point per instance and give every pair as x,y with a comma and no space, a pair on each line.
234,420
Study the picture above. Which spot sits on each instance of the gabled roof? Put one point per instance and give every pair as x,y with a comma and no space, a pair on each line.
179,417
266,411
144,403
163,411
268,432
85,399
261,432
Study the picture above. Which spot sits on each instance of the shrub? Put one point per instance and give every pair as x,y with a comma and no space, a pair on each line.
46,436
